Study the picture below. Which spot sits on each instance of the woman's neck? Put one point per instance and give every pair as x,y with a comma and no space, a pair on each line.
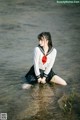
46,48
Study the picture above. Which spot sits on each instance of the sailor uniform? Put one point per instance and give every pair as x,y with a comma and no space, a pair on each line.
42,65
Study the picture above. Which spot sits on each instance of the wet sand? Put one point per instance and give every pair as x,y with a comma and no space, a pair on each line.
20,23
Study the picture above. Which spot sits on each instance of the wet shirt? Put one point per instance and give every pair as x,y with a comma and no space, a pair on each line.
42,61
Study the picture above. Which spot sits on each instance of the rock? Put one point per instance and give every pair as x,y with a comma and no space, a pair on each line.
69,103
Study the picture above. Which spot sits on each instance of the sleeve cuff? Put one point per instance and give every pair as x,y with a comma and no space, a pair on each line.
45,75
38,76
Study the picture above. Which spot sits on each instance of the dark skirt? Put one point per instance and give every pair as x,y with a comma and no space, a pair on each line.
32,79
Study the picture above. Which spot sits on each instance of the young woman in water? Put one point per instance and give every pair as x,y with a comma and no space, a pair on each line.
44,58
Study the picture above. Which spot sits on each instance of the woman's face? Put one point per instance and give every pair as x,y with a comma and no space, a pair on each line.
43,42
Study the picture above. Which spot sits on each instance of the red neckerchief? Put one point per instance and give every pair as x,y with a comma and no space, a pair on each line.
44,59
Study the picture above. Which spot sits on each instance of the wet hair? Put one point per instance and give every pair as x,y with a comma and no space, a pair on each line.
47,35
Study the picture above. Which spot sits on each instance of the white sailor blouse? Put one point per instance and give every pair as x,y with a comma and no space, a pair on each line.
42,61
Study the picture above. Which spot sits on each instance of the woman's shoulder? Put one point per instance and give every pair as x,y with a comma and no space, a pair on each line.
36,49
54,50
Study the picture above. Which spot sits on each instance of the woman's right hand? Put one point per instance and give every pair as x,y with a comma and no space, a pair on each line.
39,80
43,80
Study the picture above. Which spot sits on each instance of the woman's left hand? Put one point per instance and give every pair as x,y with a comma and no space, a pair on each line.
43,80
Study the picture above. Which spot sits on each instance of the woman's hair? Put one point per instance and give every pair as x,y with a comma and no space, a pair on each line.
47,36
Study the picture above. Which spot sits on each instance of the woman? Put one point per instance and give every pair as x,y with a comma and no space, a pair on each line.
44,58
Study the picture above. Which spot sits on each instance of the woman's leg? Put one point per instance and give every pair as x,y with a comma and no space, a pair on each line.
58,80
26,86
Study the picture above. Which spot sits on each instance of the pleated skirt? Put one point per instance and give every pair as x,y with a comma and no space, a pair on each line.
32,79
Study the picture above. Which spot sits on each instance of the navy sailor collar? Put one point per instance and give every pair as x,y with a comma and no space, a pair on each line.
42,50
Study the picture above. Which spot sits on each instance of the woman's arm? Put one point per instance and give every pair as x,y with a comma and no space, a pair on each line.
36,62
51,63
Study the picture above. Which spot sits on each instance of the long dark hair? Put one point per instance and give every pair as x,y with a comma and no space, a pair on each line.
48,37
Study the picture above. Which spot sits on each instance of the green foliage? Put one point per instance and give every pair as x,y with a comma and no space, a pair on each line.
70,103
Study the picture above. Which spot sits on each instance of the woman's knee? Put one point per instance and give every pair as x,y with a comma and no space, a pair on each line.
58,80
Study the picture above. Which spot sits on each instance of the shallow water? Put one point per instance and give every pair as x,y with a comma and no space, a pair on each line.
20,23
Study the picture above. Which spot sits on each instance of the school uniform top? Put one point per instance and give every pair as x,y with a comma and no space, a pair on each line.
42,61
